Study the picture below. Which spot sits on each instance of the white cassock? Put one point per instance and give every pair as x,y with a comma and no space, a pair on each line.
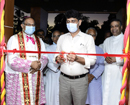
112,76
101,46
52,79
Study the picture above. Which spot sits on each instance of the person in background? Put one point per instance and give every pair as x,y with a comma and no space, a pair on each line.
94,95
53,74
40,33
112,76
24,80
107,34
74,68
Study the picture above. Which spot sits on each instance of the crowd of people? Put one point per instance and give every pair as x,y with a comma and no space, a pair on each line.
64,79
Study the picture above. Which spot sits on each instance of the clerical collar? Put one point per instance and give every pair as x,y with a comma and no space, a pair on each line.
118,36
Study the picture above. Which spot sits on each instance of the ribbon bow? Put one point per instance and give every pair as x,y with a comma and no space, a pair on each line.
2,47
32,39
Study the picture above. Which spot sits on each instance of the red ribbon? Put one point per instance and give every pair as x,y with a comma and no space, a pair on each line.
2,50
46,52
2,47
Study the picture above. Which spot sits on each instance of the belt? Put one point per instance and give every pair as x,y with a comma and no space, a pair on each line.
74,77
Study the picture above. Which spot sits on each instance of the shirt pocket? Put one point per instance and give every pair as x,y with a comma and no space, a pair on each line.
81,48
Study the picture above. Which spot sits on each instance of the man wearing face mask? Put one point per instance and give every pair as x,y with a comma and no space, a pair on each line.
24,81
74,68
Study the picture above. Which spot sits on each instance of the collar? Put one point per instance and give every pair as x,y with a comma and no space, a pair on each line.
118,35
28,35
79,34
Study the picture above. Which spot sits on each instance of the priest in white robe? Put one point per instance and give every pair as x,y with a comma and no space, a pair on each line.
24,80
112,76
52,75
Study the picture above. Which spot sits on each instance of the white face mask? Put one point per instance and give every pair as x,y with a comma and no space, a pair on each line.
29,30
72,27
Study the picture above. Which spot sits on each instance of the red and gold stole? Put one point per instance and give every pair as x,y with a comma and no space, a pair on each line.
25,80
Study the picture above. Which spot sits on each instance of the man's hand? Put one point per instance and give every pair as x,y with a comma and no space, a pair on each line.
90,78
36,65
59,59
113,59
71,56
32,71
110,59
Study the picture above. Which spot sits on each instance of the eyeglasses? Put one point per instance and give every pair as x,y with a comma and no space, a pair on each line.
92,35
54,36
29,24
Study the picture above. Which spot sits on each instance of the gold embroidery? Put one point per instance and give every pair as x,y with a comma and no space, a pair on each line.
21,45
26,89
24,75
33,56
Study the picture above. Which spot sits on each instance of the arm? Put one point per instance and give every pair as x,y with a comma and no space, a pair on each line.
44,57
99,70
85,60
73,57
119,61
57,58
41,63
90,60
51,65
14,61
110,60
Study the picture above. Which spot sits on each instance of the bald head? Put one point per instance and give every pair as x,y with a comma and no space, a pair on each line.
92,32
55,36
26,19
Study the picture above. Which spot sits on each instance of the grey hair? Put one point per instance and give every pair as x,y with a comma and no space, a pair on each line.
93,29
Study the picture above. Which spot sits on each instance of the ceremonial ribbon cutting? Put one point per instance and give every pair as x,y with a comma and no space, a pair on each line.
45,52
125,56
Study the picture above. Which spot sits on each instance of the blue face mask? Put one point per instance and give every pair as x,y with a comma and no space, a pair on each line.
72,27
30,30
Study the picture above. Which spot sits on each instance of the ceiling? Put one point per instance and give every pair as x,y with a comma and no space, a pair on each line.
84,6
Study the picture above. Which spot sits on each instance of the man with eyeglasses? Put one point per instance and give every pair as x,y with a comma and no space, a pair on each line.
74,68
53,73
24,81
94,95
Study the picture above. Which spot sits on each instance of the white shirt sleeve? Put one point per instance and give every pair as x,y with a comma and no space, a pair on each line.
90,60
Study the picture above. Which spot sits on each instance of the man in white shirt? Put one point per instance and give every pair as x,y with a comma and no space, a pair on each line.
74,68
53,74
112,76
